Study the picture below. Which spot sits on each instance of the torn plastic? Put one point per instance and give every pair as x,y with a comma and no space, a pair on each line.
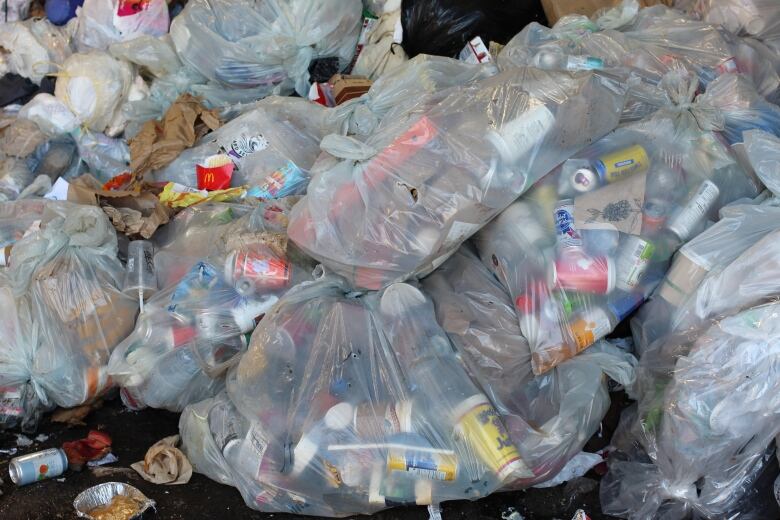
551,417
350,404
423,183
265,46
584,248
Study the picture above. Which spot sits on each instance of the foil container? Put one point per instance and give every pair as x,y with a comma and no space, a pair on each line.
102,494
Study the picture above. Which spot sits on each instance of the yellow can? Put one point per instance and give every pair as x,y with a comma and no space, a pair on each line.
478,422
622,163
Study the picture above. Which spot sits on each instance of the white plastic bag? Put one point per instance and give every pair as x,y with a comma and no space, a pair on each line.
103,22
34,48
93,85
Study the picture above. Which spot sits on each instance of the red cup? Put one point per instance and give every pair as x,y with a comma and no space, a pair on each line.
576,271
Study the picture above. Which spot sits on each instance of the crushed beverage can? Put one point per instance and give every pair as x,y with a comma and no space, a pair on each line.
37,466
250,271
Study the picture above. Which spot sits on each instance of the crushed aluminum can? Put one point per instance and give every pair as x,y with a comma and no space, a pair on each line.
102,494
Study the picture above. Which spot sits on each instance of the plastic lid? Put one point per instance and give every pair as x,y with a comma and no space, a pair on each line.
339,417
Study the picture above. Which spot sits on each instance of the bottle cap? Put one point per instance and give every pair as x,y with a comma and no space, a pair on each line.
400,298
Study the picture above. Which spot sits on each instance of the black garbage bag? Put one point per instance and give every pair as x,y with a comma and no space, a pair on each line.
443,27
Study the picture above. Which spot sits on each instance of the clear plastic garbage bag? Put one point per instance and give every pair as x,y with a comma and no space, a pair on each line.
101,23
393,94
404,200
66,277
584,248
272,147
196,327
706,418
757,18
246,44
348,403
550,417
725,267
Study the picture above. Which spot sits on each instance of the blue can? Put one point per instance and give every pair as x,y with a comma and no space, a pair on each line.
566,235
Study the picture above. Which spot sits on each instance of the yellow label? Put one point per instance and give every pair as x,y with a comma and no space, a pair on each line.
432,466
482,427
623,163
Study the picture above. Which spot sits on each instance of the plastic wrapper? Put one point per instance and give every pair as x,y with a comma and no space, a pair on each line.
194,329
34,48
271,147
443,27
550,417
393,94
701,435
93,85
106,157
65,280
350,404
265,47
404,200
103,22
588,244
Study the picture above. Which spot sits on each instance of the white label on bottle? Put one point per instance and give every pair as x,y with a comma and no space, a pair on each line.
520,135
459,232
257,441
633,262
696,208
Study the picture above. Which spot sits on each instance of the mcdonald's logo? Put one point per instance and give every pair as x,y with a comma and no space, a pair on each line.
215,174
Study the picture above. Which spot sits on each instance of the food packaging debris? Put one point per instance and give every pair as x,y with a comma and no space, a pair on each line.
102,495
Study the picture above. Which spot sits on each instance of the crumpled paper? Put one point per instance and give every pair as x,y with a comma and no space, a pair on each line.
164,463
134,211
158,143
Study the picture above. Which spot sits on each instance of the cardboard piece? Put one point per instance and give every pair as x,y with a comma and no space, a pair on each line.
555,9
158,143
615,206
135,211
347,87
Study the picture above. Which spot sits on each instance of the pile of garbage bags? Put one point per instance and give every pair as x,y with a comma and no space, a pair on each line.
391,253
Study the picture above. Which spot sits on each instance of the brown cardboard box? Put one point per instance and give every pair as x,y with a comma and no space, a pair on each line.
348,87
554,9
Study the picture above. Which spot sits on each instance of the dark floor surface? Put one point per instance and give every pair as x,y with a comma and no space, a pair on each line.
201,498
